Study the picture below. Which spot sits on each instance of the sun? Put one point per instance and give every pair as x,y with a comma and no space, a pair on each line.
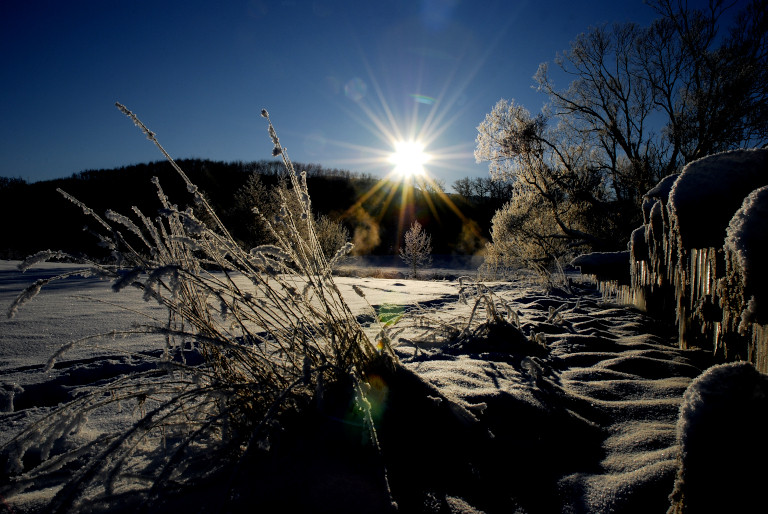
409,158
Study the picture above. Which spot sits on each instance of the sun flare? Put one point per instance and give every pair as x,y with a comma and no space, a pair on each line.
409,158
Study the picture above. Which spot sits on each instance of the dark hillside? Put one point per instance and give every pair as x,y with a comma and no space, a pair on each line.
376,212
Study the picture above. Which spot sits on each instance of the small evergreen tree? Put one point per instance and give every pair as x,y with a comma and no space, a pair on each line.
254,193
417,252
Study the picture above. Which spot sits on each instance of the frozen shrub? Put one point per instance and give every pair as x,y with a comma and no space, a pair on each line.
253,194
525,236
331,235
524,232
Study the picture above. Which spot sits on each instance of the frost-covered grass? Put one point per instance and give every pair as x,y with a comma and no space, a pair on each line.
245,335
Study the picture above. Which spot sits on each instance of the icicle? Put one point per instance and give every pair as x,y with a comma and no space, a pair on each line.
758,350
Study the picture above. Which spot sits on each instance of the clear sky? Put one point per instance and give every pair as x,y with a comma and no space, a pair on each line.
340,78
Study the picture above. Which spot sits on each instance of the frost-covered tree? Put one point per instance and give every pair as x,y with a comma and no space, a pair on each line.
417,252
260,203
331,235
641,103
555,182
523,235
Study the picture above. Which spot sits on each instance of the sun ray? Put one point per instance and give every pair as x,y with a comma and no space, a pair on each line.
410,133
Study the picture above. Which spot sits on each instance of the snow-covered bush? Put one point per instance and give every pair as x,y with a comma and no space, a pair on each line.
331,235
720,433
270,327
744,288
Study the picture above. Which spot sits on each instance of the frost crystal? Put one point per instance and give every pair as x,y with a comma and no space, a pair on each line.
25,296
39,257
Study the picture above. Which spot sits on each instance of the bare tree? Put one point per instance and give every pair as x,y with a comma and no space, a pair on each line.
484,188
417,252
712,88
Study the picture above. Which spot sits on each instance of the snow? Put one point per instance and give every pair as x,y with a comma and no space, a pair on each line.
747,244
745,283
658,194
700,206
701,253
722,421
655,233
709,191
661,190
638,246
574,410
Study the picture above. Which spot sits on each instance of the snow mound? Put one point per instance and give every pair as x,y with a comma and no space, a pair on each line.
723,451
605,266
709,191
571,406
658,194
746,247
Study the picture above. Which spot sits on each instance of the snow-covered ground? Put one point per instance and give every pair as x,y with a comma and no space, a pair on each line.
583,421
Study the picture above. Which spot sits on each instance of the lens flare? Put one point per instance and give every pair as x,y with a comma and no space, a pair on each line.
423,99
355,89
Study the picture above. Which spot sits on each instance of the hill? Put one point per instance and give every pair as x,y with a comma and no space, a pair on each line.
376,212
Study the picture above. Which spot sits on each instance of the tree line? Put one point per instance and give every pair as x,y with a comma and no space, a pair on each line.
370,212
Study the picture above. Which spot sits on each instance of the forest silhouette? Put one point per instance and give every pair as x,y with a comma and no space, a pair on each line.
376,212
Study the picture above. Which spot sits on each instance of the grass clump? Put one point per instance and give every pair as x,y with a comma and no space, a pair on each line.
268,329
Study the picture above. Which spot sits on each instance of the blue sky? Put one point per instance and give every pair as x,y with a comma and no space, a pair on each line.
340,78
